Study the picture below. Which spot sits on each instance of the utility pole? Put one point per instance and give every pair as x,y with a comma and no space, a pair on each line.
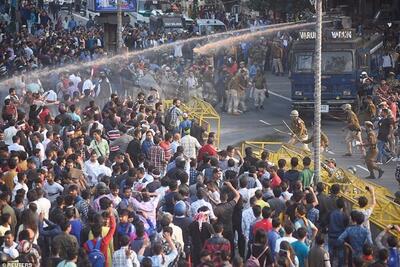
119,26
317,92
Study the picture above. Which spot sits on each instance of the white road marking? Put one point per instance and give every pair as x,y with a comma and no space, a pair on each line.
362,168
267,123
280,96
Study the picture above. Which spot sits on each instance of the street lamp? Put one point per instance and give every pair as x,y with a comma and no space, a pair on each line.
317,91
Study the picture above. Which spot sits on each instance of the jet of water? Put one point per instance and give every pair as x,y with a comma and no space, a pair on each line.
211,39
211,47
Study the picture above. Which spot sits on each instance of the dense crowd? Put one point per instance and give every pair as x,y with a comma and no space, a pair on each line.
93,177
123,182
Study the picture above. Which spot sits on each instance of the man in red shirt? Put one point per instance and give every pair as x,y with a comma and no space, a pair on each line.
275,179
166,145
208,148
105,241
265,223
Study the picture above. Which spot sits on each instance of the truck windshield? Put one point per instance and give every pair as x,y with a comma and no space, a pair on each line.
332,62
337,62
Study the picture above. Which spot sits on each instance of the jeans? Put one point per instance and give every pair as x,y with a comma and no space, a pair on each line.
381,151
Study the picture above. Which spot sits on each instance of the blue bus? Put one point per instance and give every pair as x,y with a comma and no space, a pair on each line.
344,56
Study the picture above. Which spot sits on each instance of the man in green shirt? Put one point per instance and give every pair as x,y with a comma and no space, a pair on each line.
307,175
99,145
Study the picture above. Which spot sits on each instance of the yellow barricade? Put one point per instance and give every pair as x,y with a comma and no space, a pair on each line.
386,211
203,112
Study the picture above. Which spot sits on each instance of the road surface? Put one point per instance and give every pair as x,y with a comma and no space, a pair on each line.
235,129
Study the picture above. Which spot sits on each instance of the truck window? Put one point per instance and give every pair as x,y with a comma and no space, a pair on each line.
337,62
303,62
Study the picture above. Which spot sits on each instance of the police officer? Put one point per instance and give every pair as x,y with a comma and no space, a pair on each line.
353,130
235,92
372,152
260,89
324,141
299,129
370,111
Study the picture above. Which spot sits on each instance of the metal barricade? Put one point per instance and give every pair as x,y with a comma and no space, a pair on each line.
385,212
204,113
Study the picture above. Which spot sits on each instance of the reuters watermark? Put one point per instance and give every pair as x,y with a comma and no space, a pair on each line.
16,264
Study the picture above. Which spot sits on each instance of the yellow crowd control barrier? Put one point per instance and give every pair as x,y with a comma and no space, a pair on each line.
203,112
386,211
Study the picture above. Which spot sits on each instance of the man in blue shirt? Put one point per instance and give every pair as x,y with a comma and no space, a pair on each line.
393,245
300,247
338,221
274,235
186,123
356,234
72,24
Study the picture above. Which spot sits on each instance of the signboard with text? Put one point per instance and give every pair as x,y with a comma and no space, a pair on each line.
111,6
329,34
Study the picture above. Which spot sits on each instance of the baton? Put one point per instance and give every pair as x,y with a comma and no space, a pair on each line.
295,135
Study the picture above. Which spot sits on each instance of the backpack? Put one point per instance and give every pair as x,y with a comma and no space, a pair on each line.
254,261
168,123
96,257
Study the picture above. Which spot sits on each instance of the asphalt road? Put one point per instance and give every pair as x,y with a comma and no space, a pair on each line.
247,126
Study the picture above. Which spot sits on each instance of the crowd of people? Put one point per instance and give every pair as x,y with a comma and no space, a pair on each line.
94,175
128,182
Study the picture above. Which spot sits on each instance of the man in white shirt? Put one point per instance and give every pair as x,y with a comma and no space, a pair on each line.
248,218
20,184
103,169
50,97
91,169
10,247
200,202
28,51
125,257
87,85
52,188
175,143
248,193
190,145
36,144
47,140
75,79
12,94
15,145
42,203
287,237
9,132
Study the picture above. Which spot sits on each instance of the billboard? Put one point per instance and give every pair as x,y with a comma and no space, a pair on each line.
112,5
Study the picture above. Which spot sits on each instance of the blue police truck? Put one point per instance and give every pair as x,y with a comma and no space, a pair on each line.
344,56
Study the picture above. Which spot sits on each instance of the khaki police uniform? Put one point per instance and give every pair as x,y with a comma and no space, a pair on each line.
324,141
353,131
372,153
370,111
299,128
236,91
